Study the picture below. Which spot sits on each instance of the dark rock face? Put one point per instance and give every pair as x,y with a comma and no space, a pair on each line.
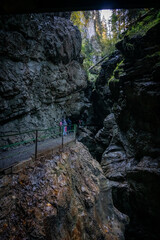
139,198
40,71
129,140
102,100
100,104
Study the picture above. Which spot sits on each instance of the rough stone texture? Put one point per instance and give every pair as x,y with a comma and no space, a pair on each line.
137,159
65,197
40,71
102,99
100,106
128,142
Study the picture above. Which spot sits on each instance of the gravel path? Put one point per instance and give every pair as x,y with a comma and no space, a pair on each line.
10,157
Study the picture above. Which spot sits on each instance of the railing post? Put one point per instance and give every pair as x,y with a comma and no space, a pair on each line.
75,132
36,143
62,135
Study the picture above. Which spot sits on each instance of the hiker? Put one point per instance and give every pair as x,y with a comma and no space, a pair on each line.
69,123
64,123
60,126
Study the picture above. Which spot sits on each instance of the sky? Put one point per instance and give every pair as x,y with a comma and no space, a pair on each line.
106,13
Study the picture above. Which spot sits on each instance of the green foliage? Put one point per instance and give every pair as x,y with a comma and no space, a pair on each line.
129,46
92,77
107,34
103,39
158,15
87,51
113,79
118,71
79,19
143,26
108,45
122,18
156,54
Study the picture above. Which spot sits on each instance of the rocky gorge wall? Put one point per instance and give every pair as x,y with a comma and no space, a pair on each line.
41,71
42,78
126,106
67,195
64,196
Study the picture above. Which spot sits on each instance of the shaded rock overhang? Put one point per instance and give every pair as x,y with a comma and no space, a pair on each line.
39,6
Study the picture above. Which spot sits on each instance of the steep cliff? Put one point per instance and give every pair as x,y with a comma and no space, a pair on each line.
64,197
134,149
41,73
126,106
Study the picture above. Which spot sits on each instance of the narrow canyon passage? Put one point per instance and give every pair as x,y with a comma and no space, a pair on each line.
106,185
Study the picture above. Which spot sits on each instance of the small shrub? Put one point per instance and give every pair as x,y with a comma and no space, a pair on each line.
116,73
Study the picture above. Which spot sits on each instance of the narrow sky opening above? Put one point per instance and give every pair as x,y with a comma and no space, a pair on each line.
106,13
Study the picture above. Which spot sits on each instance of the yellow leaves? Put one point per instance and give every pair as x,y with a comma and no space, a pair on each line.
79,19
55,192
48,205
76,18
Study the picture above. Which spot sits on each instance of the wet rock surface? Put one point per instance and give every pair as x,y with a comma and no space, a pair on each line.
69,196
128,141
139,198
64,197
40,71
102,98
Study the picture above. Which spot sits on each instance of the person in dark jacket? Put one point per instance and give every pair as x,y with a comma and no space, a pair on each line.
69,123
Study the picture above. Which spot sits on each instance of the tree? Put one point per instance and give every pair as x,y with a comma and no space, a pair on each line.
121,19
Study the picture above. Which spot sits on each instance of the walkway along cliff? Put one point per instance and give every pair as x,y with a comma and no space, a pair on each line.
70,195
65,195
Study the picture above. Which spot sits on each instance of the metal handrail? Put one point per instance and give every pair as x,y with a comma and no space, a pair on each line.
57,132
